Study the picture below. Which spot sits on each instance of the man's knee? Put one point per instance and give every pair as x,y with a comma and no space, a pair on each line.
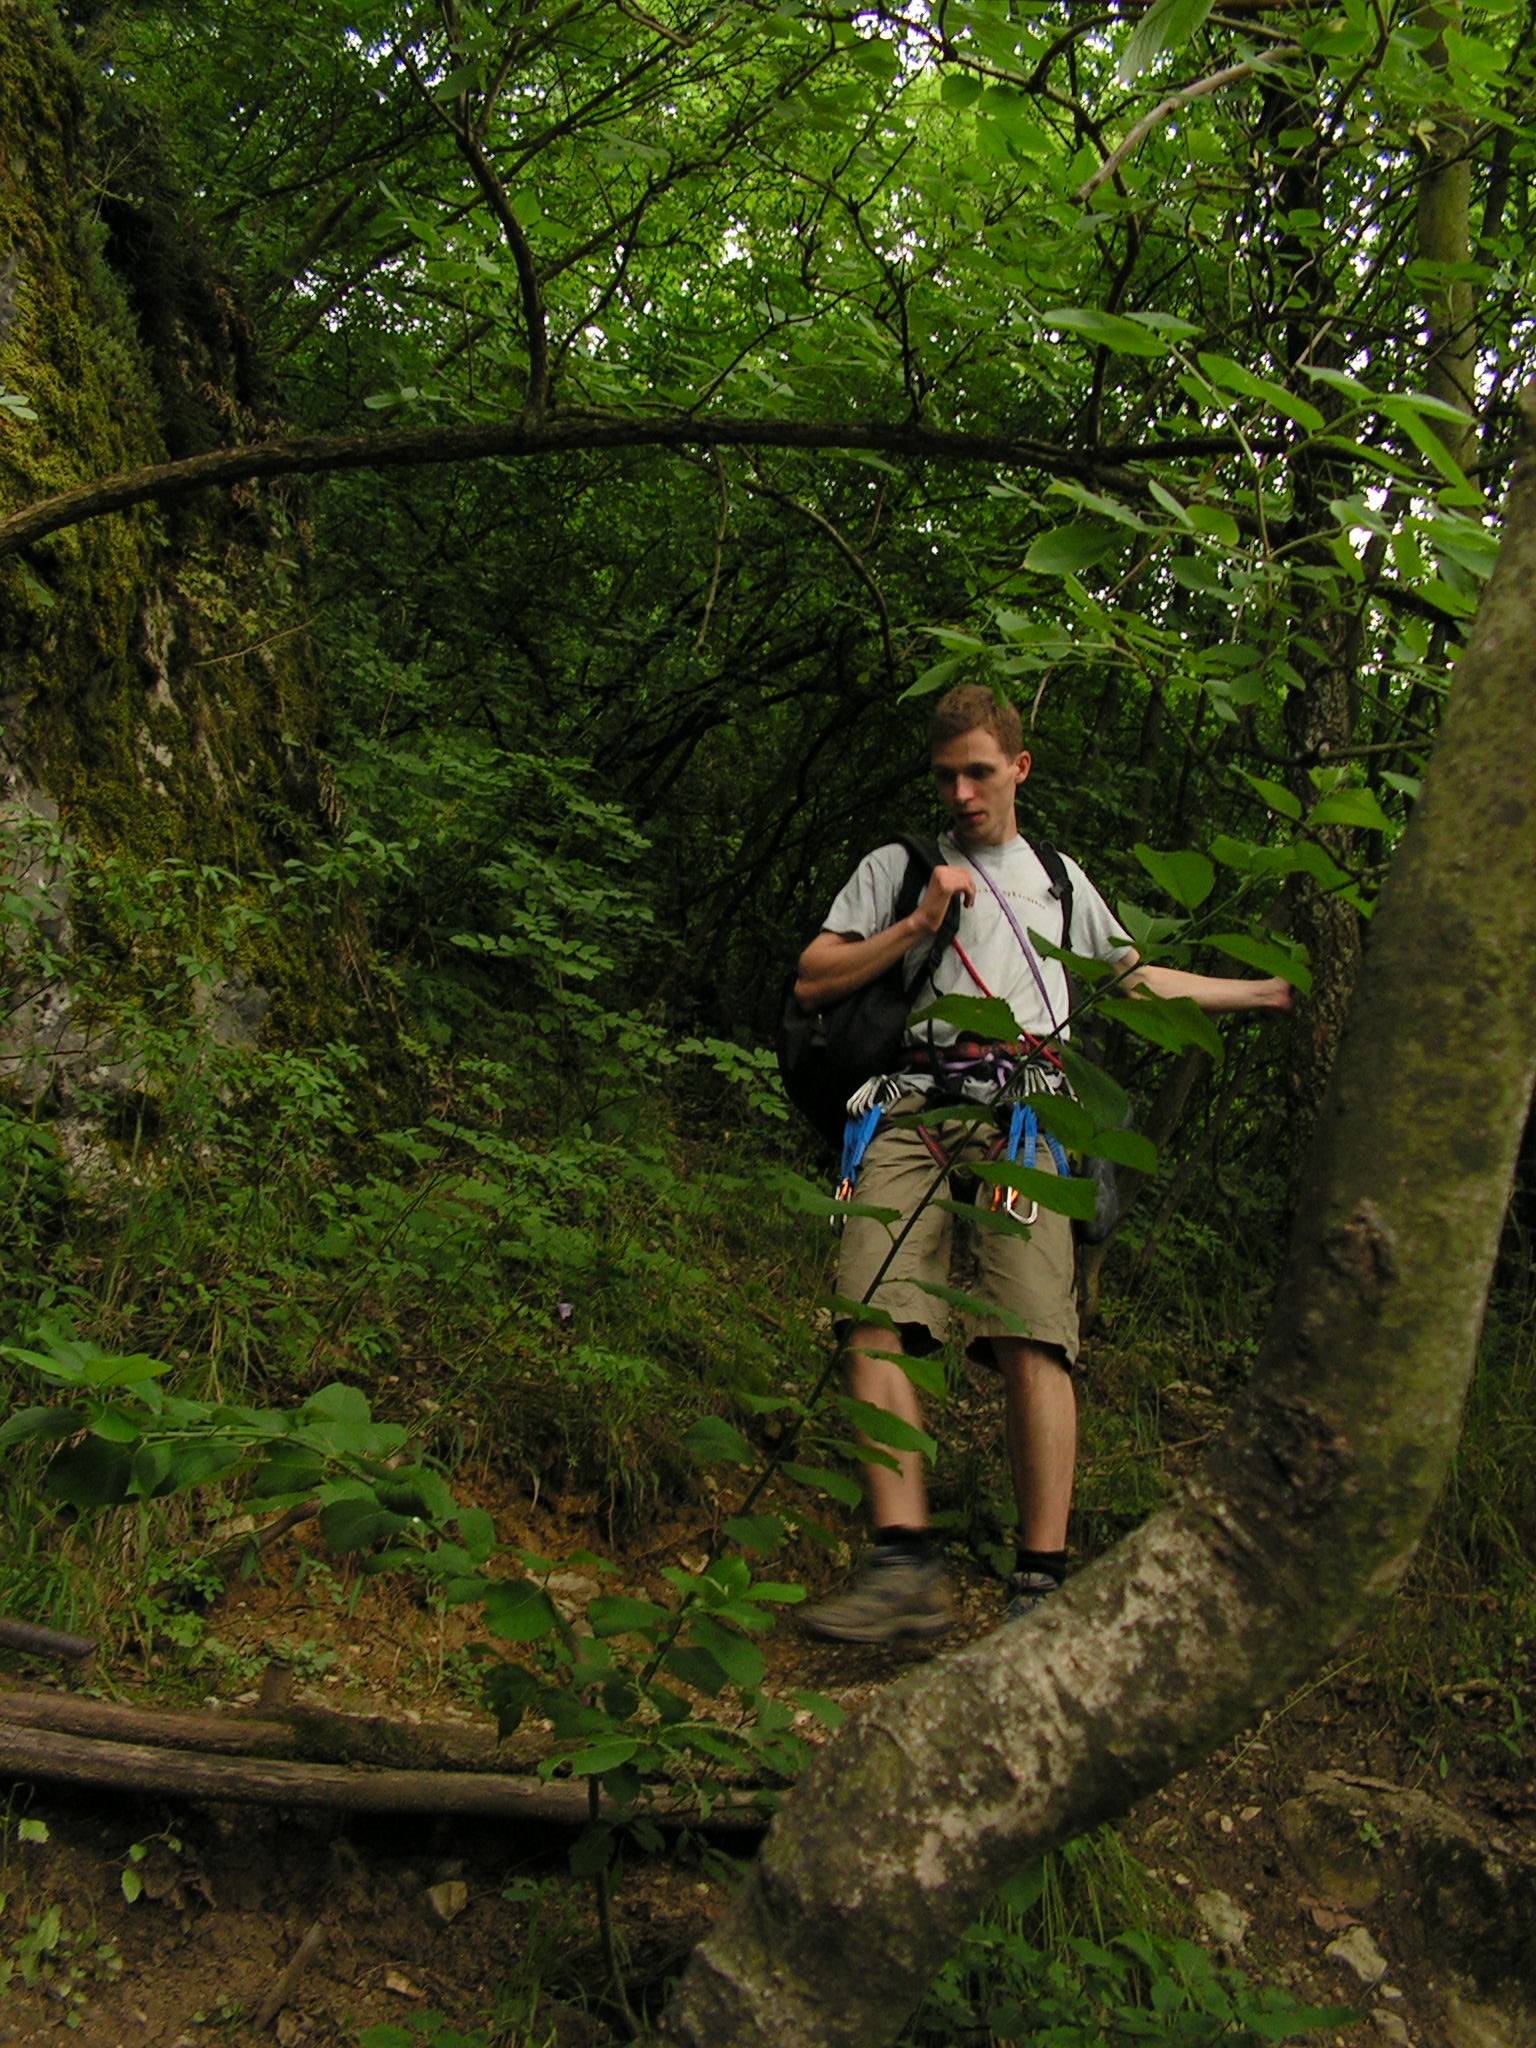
1023,1363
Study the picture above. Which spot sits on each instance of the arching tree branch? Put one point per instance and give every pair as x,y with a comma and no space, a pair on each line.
560,433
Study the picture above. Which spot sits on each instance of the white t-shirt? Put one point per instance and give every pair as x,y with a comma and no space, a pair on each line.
867,904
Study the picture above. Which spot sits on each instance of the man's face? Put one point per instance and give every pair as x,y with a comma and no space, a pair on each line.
977,783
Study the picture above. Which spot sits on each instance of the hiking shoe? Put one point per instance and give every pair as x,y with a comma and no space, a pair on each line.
895,1595
1026,1590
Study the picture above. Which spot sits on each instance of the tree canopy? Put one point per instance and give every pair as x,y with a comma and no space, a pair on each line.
1155,363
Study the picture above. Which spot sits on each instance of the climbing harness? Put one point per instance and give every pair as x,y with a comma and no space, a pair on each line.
856,1136
866,1106
1024,1130
1001,1066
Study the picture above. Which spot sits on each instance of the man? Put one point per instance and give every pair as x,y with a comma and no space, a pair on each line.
979,762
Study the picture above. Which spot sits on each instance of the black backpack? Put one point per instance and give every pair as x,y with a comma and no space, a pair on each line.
824,1055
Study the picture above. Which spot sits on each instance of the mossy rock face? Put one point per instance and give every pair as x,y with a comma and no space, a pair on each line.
156,681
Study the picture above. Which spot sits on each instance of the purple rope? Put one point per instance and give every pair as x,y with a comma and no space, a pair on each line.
1023,939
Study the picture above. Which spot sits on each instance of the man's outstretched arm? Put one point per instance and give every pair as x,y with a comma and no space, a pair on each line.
836,963
1216,993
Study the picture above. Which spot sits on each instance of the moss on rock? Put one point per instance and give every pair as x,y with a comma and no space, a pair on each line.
155,675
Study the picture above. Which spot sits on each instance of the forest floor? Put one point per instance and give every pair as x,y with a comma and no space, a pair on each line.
468,1933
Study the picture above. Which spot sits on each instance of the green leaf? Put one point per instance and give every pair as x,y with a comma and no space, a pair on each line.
617,1614
1187,877
1340,381
881,1427
761,1533
1270,956
1116,331
123,1423
1212,521
602,1756
477,1532
713,1441
132,1371
926,1374
45,1425
1066,1195
336,1402
844,1309
973,1305
1170,504
417,1492
842,1489
1231,376
1125,1148
983,1016
826,1711
696,1668
511,1692
1351,807
1171,1023
519,1612
592,1851
1279,799
801,1198
1096,1089
742,1662
288,1468
1166,25
90,1475
357,1521
1068,550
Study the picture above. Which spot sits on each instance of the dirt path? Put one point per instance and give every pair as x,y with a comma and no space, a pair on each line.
254,1925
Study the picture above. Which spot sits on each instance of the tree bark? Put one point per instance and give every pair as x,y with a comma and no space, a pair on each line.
1309,1507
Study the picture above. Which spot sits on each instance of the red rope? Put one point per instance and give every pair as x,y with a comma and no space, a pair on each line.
965,962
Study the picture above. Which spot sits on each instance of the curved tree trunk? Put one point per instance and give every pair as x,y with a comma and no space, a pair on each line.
1308,1510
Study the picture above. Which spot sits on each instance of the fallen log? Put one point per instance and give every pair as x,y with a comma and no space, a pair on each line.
29,1753
305,1733
45,1642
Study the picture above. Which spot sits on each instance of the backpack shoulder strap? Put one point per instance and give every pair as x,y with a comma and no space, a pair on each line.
1061,885
924,854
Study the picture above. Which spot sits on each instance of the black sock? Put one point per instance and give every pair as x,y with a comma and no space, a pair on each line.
913,1543
1051,1564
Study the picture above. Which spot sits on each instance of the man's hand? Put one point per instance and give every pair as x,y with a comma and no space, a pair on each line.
836,963
944,884
1272,994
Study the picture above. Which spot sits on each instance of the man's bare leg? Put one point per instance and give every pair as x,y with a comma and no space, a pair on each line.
897,1499
1040,1423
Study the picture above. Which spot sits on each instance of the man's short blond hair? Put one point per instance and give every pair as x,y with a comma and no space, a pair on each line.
972,705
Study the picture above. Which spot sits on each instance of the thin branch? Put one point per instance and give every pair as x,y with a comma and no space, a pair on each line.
1201,88
535,321
849,554
604,1899
714,577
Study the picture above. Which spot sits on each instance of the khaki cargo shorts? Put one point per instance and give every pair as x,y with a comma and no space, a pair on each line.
1029,1278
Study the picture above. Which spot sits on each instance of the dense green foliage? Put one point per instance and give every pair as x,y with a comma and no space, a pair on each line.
1211,323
